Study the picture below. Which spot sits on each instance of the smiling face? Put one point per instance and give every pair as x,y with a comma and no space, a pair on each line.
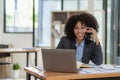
79,31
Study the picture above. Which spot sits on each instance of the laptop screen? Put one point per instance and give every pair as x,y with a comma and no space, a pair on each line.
62,60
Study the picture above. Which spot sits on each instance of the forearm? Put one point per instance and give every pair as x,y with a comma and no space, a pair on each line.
97,56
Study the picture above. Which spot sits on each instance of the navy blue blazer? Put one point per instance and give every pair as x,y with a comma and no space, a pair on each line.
91,51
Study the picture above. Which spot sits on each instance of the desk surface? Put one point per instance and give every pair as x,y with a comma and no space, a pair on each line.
18,50
65,76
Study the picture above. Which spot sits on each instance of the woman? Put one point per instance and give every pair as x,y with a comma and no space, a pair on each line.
81,34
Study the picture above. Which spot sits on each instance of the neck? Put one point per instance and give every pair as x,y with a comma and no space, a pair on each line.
79,41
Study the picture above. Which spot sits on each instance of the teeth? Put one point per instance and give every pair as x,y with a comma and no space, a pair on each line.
79,34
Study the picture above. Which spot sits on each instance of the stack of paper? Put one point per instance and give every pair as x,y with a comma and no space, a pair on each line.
83,65
100,69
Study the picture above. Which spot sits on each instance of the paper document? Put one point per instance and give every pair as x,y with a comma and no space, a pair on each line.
83,65
107,66
101,69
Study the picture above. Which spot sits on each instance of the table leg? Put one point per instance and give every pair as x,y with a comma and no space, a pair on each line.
27,64
35,58
27,59
35,61
28,77
35,78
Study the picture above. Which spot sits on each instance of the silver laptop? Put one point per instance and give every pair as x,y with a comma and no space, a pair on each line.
61,60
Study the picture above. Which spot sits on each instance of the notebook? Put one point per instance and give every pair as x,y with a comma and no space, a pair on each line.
60,60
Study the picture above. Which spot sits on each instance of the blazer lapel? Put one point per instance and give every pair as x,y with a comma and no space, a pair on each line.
86,55
73,44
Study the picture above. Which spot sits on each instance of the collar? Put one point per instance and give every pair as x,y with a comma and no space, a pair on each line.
81,44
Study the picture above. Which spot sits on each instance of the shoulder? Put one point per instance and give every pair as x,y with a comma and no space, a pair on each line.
66,43
65,38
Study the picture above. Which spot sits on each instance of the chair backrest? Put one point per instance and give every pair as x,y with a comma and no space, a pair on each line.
2,54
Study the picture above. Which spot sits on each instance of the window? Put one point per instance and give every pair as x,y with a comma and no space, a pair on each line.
18,16
42,31
83,4
70,5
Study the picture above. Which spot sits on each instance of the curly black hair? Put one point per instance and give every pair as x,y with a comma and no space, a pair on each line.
85,18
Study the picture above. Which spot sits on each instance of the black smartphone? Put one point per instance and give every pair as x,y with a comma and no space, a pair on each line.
88,33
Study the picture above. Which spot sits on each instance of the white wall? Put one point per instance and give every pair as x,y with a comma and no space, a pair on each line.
17,40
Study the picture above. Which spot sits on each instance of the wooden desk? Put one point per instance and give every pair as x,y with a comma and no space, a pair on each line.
67,76
22,50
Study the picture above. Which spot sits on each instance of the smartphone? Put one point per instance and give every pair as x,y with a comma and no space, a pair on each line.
88,33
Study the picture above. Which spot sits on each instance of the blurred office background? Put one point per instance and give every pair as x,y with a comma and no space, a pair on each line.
27,23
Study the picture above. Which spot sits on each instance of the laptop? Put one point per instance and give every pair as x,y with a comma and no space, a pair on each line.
60,60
